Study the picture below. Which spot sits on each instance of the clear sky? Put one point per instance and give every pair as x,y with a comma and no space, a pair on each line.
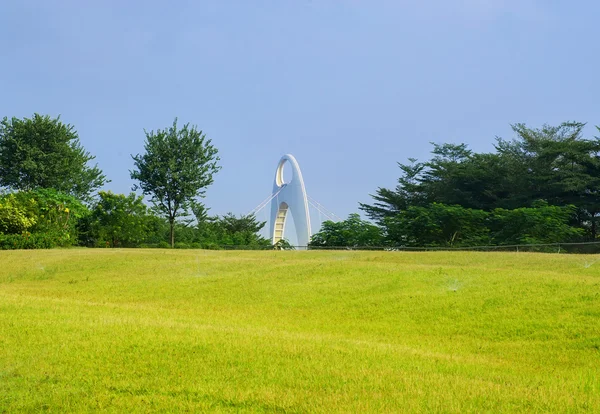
350,87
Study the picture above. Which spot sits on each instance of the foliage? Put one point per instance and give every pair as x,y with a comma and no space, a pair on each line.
45,218
57,214
14,218
177,166
42,152
553,163
27,240
350,232
229,230
117,220
539,224
283,244
438,225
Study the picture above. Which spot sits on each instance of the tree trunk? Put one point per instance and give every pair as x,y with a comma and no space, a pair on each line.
172,232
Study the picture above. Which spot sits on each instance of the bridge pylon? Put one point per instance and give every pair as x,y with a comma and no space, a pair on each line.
288,197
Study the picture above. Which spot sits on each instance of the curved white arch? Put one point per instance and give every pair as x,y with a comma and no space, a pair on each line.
292,196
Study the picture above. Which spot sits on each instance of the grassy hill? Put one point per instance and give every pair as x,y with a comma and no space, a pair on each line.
168,330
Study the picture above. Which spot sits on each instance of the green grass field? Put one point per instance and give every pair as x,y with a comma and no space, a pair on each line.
192,330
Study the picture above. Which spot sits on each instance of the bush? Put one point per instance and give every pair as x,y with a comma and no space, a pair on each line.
211,246
34,241
55,213
117,220
14,217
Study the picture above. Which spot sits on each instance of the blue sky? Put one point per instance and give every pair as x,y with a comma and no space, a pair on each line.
350,87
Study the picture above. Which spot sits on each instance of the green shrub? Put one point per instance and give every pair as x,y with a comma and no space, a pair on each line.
14,217
56,214
211,246
28,240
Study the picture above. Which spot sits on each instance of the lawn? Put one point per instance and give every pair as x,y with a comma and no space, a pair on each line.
193,330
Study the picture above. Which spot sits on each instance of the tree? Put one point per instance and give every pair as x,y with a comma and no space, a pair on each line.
539,224
559,166
176,168
242,231
229,230
389,202
118,220
232,224
283,244
43,152
552,163
438,225
352,232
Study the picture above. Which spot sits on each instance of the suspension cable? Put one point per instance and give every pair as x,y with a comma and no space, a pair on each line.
324,210
318,206
329,216
265,202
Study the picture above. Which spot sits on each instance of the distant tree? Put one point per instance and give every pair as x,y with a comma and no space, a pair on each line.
556,164
232,224
388,202
42,152
176,168
352,232
200,212
283,244
119,220
437,225
453,176
552,163
238,231
541,223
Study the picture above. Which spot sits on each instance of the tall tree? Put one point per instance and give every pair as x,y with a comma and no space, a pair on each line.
409,191
352,232
556,164
43,152
177,167
551,163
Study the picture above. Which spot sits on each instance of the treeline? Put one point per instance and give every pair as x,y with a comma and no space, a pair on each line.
50,194
543,186
46,218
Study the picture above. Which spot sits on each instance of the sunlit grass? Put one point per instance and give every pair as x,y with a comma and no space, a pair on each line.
165,330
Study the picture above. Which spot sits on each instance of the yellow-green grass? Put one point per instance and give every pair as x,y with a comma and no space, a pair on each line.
175,330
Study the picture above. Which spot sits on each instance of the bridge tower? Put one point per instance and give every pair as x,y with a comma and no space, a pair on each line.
289,196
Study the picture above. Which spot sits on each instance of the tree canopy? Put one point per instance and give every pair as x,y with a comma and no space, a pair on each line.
43,152
177,167
352,232
553,164
117,220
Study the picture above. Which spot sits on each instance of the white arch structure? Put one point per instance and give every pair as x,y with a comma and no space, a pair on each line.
286,197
